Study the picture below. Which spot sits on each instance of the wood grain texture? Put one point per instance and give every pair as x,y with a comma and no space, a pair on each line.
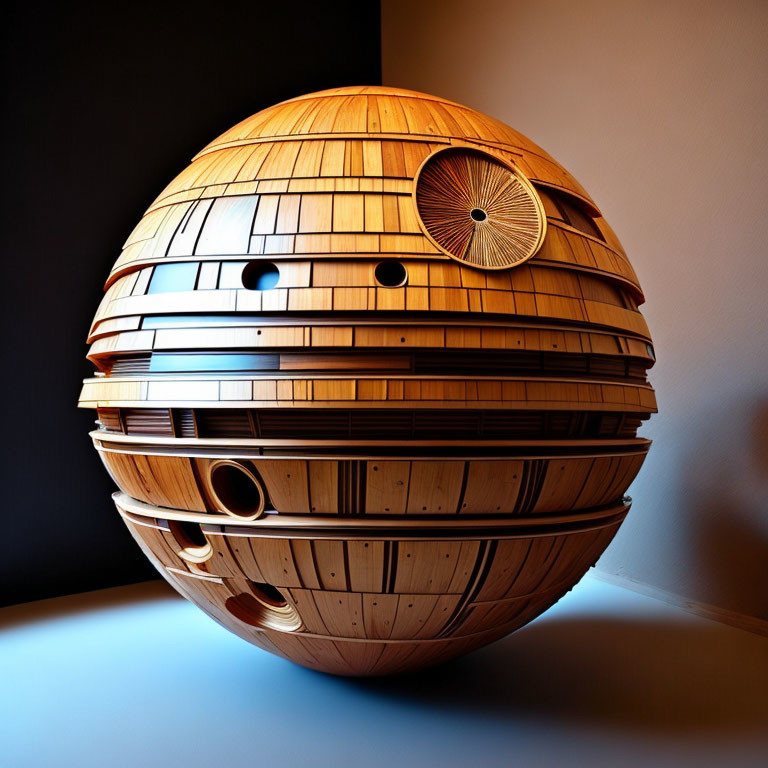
479,210
517,487
370,372
359,605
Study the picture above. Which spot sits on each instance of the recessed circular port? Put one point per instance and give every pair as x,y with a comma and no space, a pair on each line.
260,276
478,214
195,547
237,490
390,274
268,594
264,606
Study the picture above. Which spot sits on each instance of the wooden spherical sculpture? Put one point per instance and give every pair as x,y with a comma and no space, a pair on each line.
370,372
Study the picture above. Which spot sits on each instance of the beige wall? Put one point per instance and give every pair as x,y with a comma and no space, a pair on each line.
661,110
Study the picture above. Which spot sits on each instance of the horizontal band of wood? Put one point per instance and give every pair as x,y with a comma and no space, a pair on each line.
254,332
366,392
377,529
491,485
585,315
375,154
213,227
248,447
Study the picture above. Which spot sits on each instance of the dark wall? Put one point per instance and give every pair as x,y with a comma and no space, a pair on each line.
103,104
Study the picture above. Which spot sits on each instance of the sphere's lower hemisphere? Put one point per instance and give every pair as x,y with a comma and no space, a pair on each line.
378,602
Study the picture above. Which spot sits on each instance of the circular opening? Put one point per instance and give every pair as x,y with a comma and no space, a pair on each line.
390,274
195,547
260,276
265,607
237,490
478,214
268,594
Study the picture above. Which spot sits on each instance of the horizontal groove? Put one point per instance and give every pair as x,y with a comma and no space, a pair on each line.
416,318
371,424
425,361
246,448
406,526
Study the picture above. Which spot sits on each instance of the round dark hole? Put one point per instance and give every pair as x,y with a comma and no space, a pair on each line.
187,534
265,607
390,274
236,490
268,594
260,276
478,214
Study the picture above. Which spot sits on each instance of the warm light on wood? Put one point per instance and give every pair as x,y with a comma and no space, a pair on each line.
369,377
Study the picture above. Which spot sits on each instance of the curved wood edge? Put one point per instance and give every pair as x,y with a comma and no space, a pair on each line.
249,447
402,528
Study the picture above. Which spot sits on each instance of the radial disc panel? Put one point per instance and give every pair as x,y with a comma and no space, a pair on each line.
479,210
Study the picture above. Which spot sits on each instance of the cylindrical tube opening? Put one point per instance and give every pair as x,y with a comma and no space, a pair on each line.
237,490
195,547
390,274
264,606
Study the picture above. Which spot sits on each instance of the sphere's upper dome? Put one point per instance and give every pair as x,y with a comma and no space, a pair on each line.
369,140
395,112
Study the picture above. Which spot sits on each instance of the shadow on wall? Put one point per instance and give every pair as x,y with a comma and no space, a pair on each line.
725,483
760,440
640,675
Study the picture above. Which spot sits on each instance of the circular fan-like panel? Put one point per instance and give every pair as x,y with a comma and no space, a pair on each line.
478,210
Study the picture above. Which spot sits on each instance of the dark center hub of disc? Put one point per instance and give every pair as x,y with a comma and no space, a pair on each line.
478,214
